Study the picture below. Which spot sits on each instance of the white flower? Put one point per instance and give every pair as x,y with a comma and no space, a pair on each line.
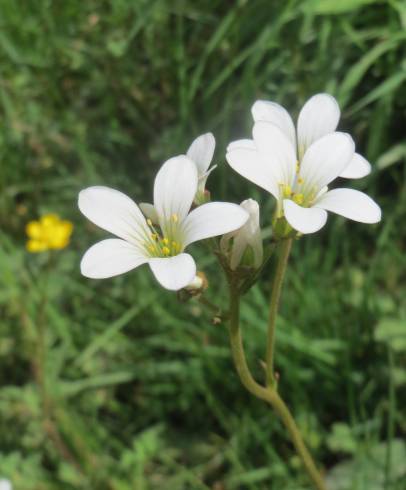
298,176
248,236
318,117
140,242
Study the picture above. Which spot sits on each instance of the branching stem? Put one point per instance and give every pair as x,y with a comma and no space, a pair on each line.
269,393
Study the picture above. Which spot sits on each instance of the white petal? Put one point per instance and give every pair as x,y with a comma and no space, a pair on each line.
244,143
305,220
201,152
175,188
325,159
264,110
275,148
252,208
203,179
322,191
174,273
239,247
213,219
114,212
225,241
357,168
149,211
248,163
110,258
351,204
318,117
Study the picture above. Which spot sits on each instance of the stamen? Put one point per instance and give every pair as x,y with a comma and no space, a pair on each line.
159,241
298,198
300,180
286,190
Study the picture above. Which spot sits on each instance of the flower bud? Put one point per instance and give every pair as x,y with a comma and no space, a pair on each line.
244,245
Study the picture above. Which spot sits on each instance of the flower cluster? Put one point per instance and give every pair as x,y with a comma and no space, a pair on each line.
49,233
295,165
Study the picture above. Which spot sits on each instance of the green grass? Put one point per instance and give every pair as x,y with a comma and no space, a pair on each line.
143,390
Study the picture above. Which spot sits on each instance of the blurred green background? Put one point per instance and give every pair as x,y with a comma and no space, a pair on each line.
140,389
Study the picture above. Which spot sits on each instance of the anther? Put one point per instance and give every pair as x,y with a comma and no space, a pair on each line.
166,251
287,190
175,218
149,222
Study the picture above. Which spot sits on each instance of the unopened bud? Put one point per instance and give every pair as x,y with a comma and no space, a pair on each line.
244,246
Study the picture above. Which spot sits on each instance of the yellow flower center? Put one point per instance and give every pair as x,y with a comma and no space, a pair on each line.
162,246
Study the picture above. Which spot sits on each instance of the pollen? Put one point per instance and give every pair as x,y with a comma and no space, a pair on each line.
165,241
298,198
48,233
166,250
286,190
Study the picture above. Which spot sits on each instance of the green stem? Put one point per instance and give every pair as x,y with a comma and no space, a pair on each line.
284,251
40,365
391,420
268,394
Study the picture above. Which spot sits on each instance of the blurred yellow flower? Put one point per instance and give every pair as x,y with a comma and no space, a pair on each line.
49,233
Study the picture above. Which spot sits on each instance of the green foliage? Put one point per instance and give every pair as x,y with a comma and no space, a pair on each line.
141,388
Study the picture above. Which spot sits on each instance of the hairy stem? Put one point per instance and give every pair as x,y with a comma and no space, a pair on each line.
283,252
268,394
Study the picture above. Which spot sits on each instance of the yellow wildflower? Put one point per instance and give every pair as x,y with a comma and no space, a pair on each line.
49,233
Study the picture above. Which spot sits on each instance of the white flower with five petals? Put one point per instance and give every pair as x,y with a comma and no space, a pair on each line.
162,244
297,175
247,237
